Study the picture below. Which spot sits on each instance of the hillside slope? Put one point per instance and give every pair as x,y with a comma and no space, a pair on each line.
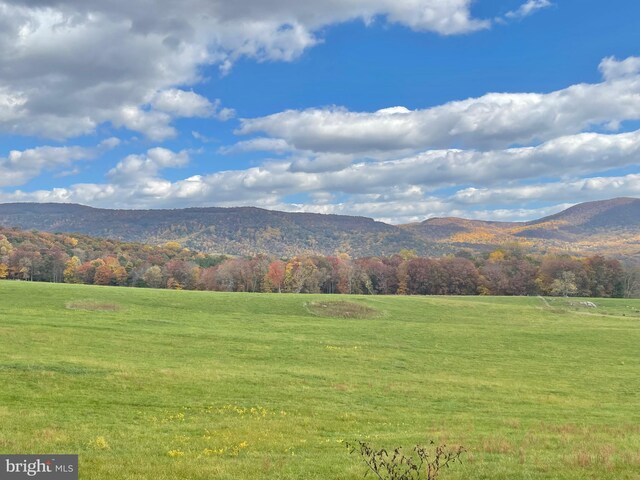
235,231
610,227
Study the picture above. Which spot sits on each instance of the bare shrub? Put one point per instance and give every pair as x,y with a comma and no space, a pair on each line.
423,463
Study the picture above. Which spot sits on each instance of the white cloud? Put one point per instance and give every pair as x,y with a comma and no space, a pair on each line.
201,137
181,103
479,184
260,144
394,164
69,66
21,166
613,69
528,8
400,207
136,169
576,190
518,214
330,162
109,143
578,154
495,120
153,124
402,212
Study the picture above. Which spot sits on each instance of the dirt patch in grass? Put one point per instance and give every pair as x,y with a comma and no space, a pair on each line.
93,306
342,309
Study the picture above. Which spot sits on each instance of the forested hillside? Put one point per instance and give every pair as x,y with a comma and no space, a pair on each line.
38,256
231,231
610,228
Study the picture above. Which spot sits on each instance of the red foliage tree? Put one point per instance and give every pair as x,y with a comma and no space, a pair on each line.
274,279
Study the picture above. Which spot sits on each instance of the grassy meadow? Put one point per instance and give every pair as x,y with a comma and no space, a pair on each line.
197,385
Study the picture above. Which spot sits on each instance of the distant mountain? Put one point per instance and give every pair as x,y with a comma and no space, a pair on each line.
592,217
610,227
231,231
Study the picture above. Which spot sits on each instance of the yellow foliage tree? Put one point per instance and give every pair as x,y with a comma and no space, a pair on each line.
5,247
496,256
173,246
71,241
70,273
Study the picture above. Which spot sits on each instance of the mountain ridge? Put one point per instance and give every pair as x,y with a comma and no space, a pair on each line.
606,226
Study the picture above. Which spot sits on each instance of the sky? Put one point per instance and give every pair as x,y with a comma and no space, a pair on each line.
399,110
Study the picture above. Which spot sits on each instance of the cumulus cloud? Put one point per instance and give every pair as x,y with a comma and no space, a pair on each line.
504,150
135,169
398,190
331,162
397,207
181,103
613,69
21,166
495,120
260,144
402,212
581,189
68,66
579,154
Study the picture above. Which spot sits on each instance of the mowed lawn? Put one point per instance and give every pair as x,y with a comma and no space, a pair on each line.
195,385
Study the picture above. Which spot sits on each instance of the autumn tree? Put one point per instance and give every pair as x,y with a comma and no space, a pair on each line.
424,276
53,264
402,273
459,276
330,265
297,274
631,282
174,246
4,271
153,277
207,279
25,261
274,277
345,273
605,277
103,275
183,273
565,285
87,271
70,273
254,272
320,274
381,276
554,267
502,275
228,276
5,247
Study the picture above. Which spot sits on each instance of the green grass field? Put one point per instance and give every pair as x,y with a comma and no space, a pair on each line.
196,385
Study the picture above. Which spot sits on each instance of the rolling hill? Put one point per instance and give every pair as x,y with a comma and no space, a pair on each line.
231,231
610,227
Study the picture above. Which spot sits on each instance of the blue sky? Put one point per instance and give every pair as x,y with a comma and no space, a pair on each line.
394,109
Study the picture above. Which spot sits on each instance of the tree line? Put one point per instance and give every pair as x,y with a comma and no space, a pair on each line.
510,270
